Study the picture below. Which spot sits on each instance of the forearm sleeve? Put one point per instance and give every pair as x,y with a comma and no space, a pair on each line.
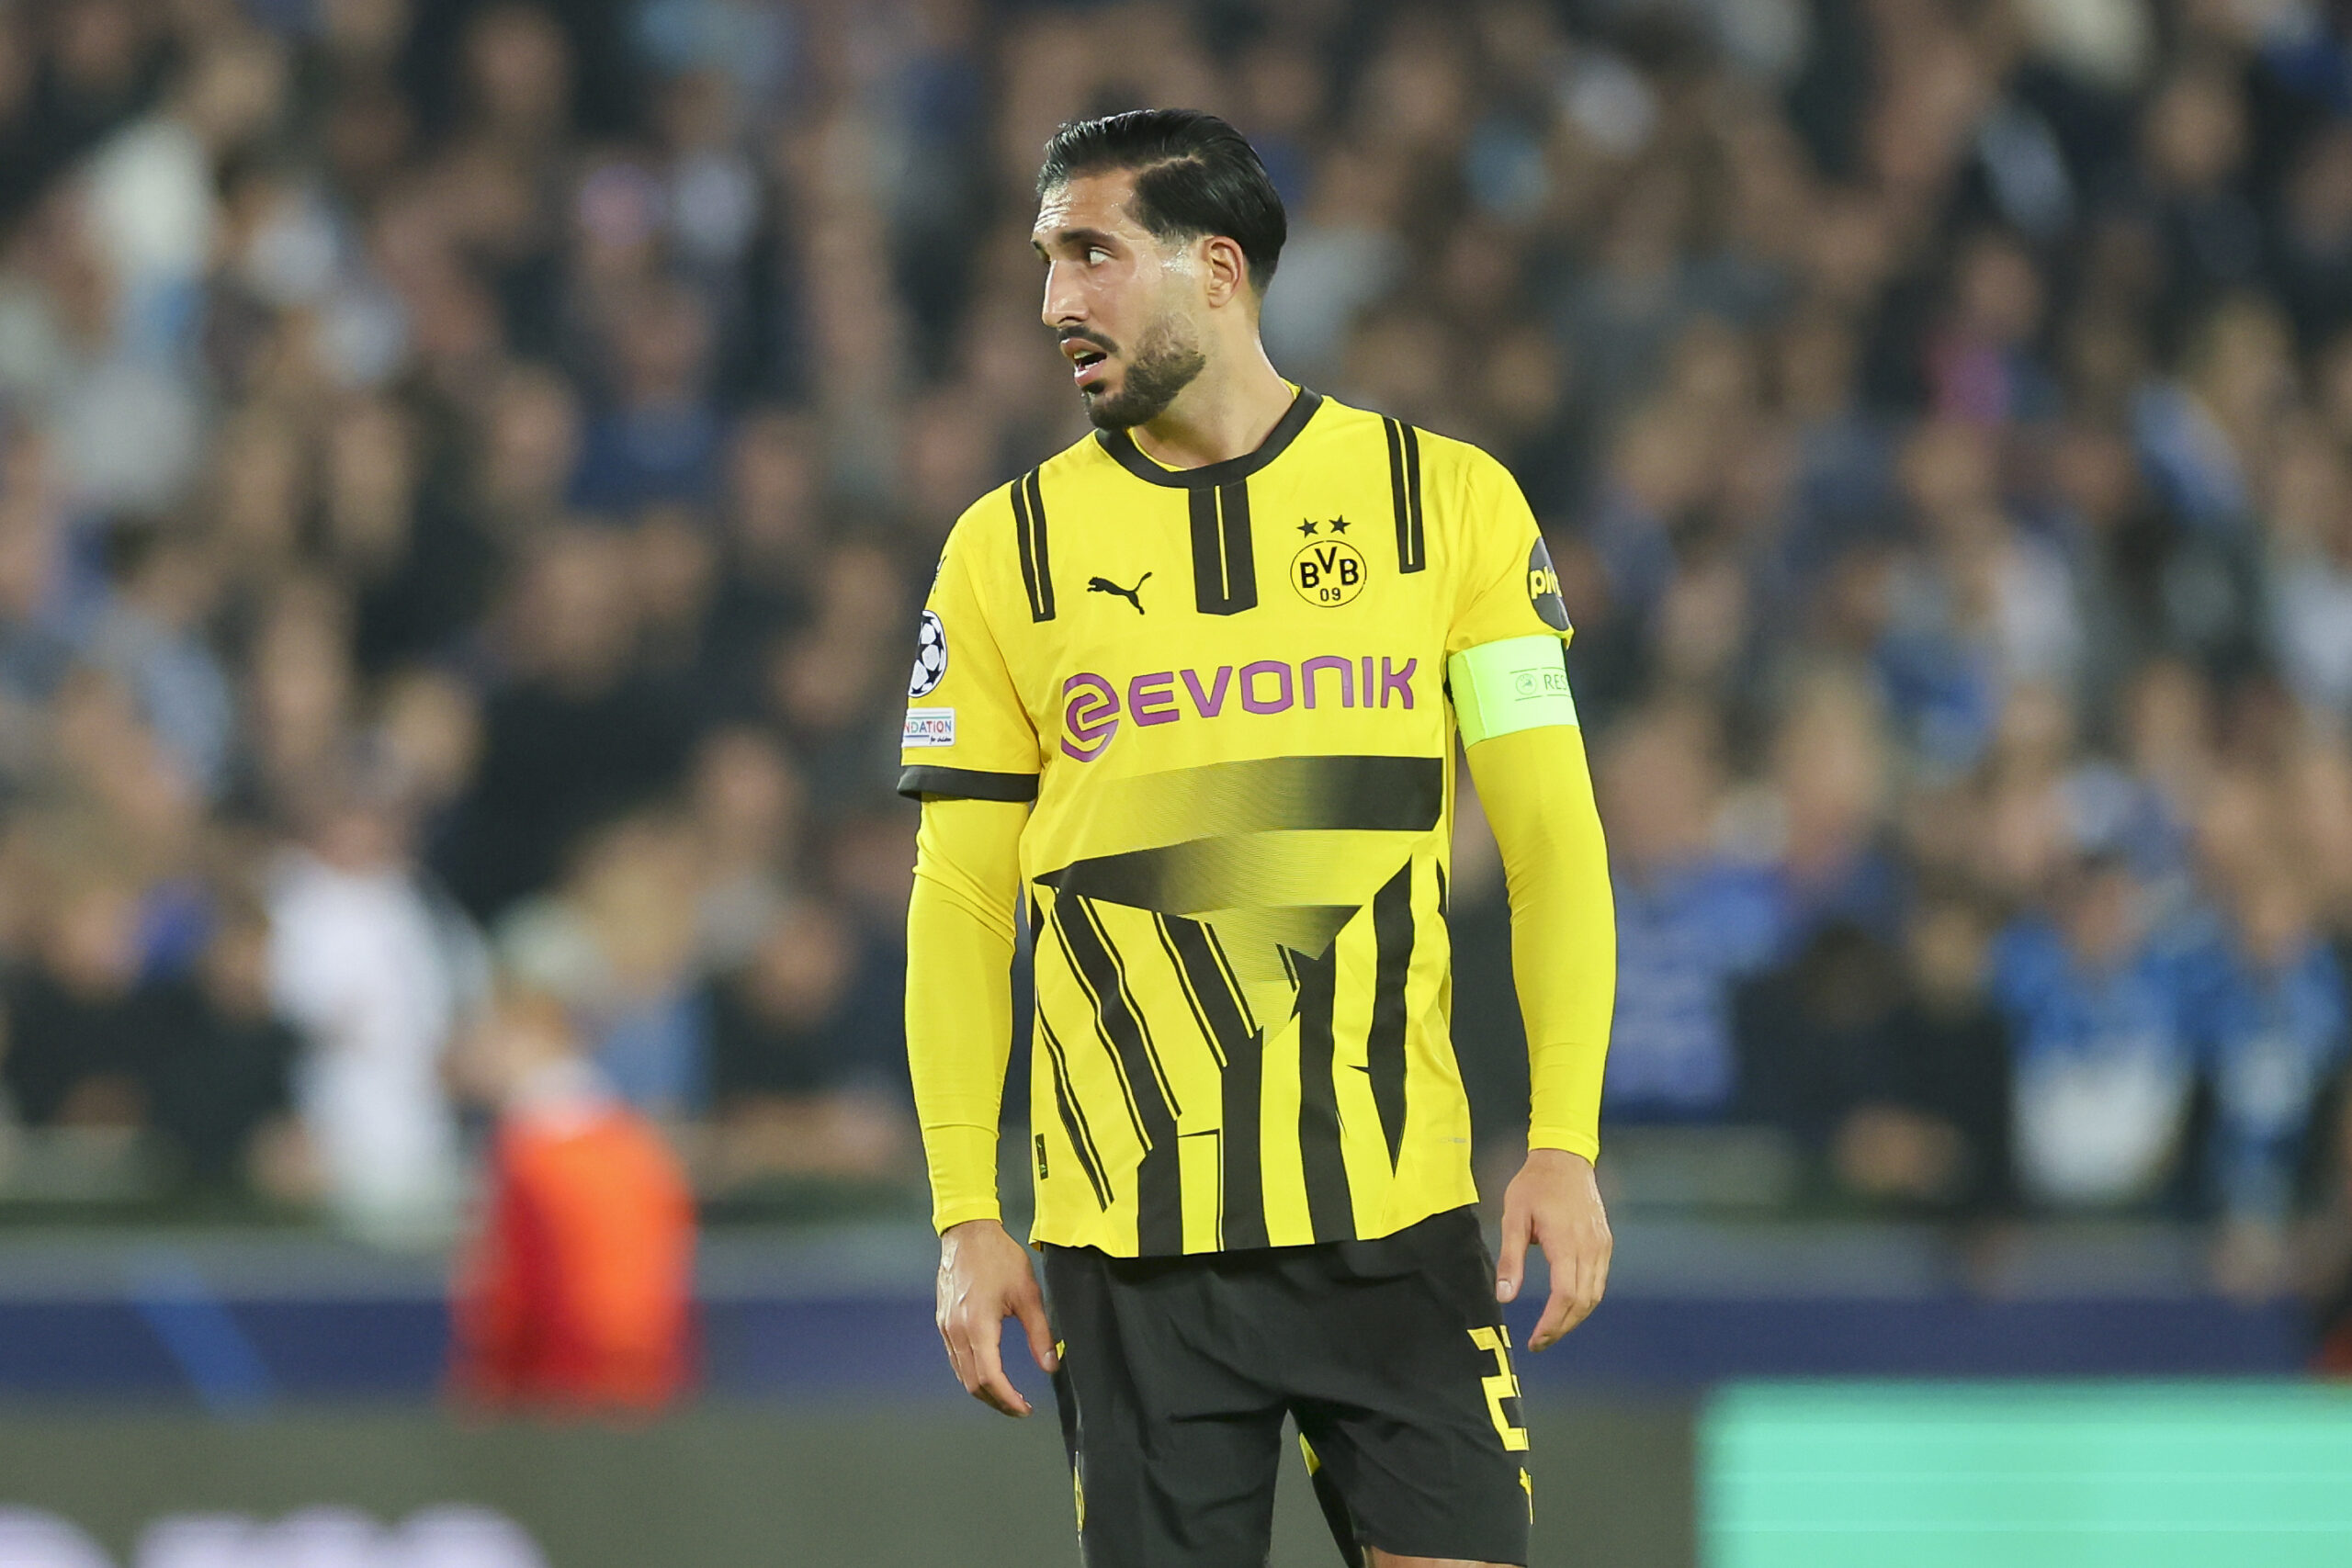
960,925
1537,790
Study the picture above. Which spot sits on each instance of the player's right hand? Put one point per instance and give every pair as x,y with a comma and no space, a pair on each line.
985,1277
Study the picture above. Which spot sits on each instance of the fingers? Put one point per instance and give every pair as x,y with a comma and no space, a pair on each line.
1596,1284
1029,1305
1510,1268
957,1361
982,1369
992,1387
1556,1308
971,1335
1579,1278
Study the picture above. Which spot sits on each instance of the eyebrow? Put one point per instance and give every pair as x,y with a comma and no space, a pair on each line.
1072,237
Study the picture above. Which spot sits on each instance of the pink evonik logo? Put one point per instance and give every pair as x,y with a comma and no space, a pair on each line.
1092,706
1089,715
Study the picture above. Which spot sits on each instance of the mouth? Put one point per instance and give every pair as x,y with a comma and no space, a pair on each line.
1087,362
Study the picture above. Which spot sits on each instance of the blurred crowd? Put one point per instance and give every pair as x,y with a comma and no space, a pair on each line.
466,470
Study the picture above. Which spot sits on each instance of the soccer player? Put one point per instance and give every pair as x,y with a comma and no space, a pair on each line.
1185,701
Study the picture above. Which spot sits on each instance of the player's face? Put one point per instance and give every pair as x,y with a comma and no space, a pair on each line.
1119,299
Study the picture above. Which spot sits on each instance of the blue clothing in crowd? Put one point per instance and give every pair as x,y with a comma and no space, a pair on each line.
2104,1063
2107,1063
1684,939
2271,1040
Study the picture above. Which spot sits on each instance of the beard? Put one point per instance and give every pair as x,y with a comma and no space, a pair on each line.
1166,362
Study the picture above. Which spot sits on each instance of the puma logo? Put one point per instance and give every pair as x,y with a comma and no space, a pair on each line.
1132,595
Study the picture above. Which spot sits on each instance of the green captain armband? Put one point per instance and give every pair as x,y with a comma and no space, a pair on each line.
1501,688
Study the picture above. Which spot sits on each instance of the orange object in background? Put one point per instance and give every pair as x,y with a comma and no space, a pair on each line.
577,1294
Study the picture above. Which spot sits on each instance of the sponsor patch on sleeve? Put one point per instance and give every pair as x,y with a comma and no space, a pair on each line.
1544,588
928,727
931,657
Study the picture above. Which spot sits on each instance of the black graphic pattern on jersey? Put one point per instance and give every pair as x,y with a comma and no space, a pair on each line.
1029,530
1225,572
1159,1213
1405,486
1328,1200
1241,1220
1073,1120
1218,1006
1392,925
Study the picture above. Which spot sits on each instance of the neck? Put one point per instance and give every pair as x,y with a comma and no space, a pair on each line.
1228,412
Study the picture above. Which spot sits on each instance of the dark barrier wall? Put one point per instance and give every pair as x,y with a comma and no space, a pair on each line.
924,1483
238,1355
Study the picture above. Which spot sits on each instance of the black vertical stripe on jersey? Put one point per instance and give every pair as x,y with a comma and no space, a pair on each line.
1216,1003
1232,981
1216,1163
1081,1136
1191,992
1225,572
1240,1088
1159,1191
1118,1065
1092,917
1329,1205
1392,927
1029,530
1405,494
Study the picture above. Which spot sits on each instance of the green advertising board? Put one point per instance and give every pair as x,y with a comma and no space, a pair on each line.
2027,1476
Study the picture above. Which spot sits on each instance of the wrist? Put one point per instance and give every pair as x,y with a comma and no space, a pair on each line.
953,1216
1562,1140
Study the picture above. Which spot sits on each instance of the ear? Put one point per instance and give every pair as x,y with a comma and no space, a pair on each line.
1225,271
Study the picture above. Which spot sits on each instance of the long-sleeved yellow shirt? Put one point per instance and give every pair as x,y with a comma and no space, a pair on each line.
1233,695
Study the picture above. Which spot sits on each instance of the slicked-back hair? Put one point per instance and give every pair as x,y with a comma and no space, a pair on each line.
1194,175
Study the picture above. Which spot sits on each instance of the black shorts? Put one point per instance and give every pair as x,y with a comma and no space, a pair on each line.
1176,1374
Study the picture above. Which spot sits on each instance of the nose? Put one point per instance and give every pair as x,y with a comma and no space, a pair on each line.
1064,306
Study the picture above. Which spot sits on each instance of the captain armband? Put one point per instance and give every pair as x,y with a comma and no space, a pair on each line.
1501,688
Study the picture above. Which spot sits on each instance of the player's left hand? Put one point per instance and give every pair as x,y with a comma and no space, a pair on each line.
1554,1201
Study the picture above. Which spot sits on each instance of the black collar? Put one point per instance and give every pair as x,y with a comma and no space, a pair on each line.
1122,447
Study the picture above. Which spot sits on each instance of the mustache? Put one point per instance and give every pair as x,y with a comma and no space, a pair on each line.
1067,334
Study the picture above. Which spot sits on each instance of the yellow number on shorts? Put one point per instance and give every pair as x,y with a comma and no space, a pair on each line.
1502,1386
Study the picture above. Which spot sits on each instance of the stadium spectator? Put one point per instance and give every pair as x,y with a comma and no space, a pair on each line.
805,1063
1691,921
2105,1066
1890,1068
617,946
80,1025
579,732
2271,1022
748,805
221,1063
574,1296
147,638
379,974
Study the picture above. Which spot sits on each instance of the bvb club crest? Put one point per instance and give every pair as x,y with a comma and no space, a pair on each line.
1327,571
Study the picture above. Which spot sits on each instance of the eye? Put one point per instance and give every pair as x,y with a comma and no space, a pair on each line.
1096,255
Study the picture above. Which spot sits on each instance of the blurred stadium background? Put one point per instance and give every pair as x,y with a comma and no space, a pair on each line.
466,470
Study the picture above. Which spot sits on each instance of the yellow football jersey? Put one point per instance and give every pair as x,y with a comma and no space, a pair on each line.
1224,690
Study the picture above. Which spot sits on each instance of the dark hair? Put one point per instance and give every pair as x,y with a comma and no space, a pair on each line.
1194,174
